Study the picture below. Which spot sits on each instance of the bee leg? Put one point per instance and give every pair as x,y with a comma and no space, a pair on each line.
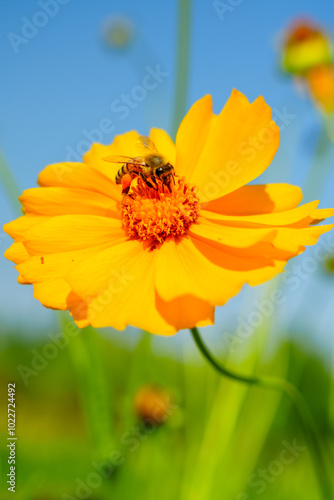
126,183
125,190
153,179
147,182
125,193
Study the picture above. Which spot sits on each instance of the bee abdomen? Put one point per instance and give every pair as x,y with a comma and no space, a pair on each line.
122,171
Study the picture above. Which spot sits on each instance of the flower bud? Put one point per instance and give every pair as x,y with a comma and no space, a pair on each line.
152,403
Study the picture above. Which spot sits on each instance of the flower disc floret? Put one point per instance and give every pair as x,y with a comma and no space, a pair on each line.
153,215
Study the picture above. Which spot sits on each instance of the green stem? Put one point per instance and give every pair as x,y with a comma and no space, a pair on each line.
86,354
10,186
183,48
329,127
309,427
319,169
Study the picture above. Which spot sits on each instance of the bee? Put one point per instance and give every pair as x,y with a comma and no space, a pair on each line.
150,167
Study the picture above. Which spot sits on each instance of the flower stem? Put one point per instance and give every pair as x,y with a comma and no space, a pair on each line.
9,184
86,354
183,46
309,427
320,167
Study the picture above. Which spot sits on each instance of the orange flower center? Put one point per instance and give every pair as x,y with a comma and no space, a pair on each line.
153,215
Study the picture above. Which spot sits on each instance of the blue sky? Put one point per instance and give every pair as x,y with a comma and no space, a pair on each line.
58,85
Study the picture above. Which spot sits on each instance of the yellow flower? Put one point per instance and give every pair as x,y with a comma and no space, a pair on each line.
162,261
305,46
321,87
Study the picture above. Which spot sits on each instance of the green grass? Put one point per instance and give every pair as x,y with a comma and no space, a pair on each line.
219,433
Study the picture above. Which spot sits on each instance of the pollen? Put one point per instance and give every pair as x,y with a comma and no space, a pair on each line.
154,215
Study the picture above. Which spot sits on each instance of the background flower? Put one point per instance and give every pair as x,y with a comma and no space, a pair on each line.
305,46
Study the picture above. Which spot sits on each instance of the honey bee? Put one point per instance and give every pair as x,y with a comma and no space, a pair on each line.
151,166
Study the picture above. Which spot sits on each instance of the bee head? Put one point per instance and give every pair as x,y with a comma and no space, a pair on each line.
159,171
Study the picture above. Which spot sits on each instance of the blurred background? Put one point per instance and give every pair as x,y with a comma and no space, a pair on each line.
129,415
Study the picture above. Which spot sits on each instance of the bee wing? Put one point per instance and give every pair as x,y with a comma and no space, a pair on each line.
123,159
146,145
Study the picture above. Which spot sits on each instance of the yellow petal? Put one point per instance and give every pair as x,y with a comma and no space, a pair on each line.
321,213
192,135
18,228
239,147
281,244
118,289
55,265
257,199
81,323
186,312
292,240
17,253
72,232
272,219
56,294
79,175
123,144
109,284
62,200
230,236
23,281
208,272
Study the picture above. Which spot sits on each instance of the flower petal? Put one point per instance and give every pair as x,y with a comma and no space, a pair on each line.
56,294
79,175
123,144
257,199
210,273
192,134
18,228
63,200
230,236
186,312
307,211
17,253
292,240
64,233
22,281
283,243
239,147
55,265
118,289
